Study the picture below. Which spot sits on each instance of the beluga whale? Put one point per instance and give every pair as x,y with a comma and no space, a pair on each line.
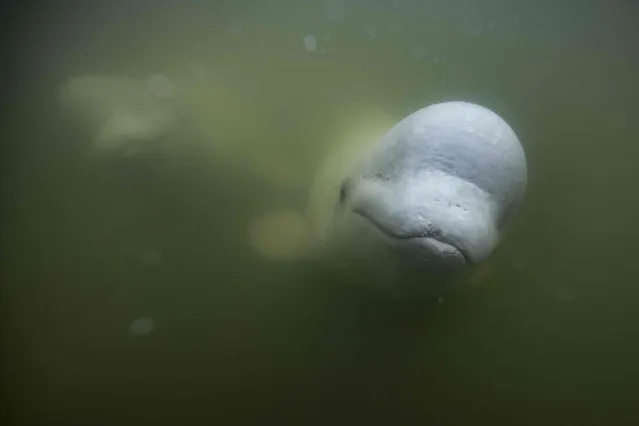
415,211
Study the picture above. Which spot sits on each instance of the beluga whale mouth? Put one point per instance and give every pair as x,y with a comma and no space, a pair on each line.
430,239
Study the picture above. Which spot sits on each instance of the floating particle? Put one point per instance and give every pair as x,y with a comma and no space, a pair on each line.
562,295
141,326
418,52
200,73
310,44
161,86
335,10
278,235
150,257
236,29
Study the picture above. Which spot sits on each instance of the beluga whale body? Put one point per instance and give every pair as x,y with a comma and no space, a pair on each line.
416,211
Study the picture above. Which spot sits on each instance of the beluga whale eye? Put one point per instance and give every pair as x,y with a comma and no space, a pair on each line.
343,191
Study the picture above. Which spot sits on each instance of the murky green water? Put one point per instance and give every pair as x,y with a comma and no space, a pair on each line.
131,296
